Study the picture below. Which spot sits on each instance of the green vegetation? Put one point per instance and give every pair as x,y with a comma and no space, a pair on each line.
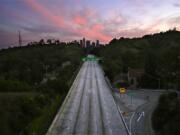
34,81
158,55
166,117
13,86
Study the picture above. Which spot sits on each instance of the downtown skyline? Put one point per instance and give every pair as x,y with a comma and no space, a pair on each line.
69,20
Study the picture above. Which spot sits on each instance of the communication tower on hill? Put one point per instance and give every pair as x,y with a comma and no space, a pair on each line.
20,39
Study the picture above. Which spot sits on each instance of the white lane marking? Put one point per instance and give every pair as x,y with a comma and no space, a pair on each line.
142,114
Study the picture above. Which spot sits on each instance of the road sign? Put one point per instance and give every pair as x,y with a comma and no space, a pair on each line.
83,59
122,90
90,58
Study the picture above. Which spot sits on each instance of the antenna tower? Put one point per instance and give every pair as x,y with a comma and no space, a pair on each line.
20,39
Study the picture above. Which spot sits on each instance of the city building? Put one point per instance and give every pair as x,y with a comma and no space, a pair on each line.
81,43
84,42
97,43
93,44
88,43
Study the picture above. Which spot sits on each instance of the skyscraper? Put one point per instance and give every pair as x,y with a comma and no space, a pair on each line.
84,42
97,43
81,43
93,44
88,43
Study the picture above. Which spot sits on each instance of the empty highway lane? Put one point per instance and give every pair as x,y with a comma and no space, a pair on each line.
89,108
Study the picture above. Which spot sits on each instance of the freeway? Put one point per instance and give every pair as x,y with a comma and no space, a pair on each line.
89,108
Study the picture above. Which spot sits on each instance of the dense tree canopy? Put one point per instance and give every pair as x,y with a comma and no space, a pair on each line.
34,81
158,55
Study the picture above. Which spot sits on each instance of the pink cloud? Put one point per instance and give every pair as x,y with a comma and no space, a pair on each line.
80,20
93,29
96,32
93,32
97,27
57,20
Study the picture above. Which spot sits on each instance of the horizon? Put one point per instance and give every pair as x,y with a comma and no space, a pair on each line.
91,41
44,19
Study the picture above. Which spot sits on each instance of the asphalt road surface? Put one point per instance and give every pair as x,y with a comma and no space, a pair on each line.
139,106
89,108
141,124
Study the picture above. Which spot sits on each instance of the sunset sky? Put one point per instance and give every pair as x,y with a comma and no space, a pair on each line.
68,20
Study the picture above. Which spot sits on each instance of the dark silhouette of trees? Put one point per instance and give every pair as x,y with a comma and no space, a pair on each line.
33,84
49,41
166,118
41,42
157,54
57,42
113,41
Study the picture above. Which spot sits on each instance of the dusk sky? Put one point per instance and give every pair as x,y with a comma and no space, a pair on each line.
69,20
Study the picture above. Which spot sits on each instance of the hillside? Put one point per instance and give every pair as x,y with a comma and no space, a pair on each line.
34,81
158,55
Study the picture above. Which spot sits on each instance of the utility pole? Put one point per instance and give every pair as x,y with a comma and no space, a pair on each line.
20,39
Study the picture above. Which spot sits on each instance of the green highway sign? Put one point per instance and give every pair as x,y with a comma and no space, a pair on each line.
90,58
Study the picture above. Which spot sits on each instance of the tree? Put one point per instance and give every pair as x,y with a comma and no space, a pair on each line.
49,41
41,42
113,41
57,42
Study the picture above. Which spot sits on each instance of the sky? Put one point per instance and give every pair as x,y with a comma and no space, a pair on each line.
69,20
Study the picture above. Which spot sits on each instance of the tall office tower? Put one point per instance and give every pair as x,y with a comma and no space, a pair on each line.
93,44
97,43
88,43
81,43
84,42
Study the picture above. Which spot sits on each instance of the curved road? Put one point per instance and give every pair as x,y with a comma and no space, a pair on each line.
89,108
143,126
138,109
